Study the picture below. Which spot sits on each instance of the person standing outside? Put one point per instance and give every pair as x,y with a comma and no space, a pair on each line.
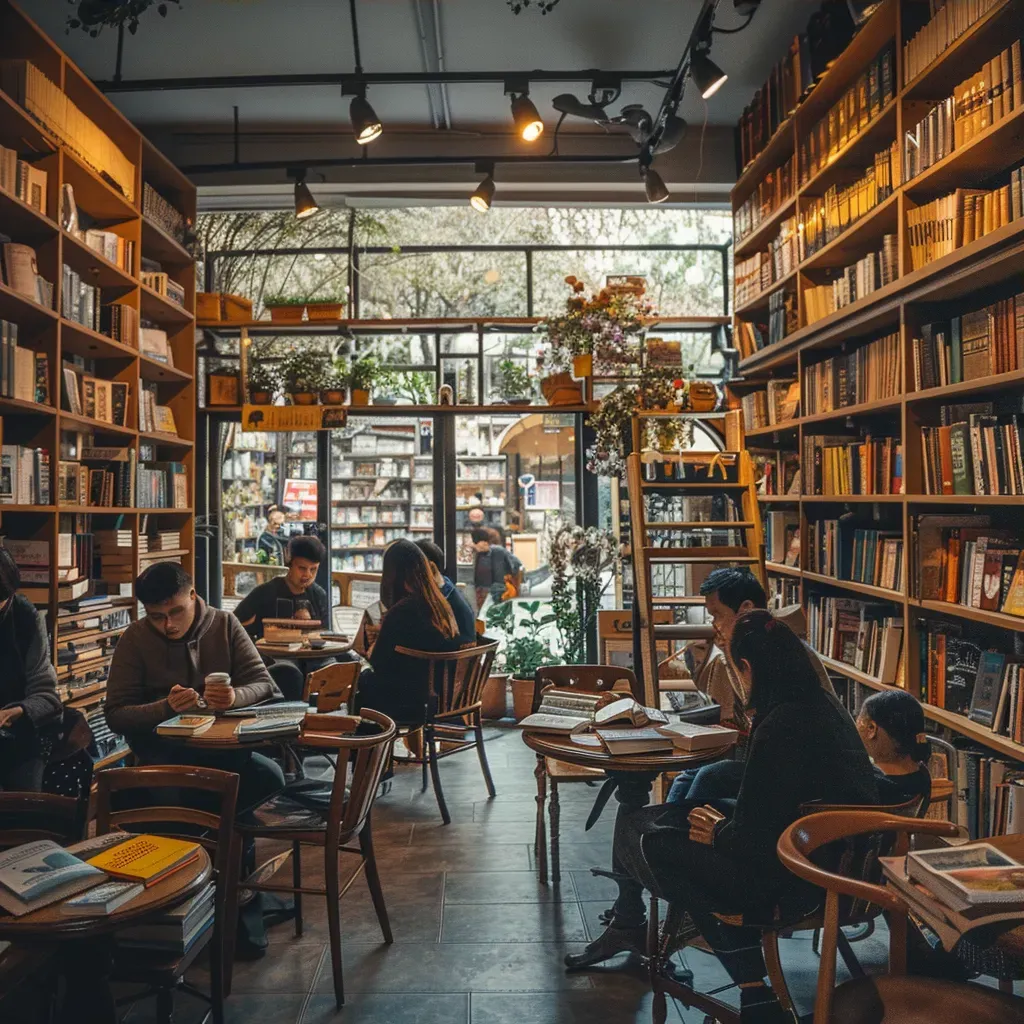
494,567
271,543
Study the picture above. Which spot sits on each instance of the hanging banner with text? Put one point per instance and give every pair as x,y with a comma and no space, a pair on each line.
293,417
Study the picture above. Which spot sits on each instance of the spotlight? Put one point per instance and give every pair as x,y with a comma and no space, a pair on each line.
366,125
654,187
527,120
482,198
305,204
707,75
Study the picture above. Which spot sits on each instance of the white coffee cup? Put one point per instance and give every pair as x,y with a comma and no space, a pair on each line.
217,680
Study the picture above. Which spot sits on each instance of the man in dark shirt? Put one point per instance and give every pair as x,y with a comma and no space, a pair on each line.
464,617
491,565
294,596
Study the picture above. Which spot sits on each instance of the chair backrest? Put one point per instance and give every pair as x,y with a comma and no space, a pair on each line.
808,835
456,678
27,817
333,685
360,764
588,678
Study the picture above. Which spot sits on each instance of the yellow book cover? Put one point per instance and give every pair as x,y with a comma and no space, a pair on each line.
145,858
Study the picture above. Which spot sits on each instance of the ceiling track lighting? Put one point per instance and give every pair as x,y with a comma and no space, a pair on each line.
707,75
525,116
305,204
483,196
366,125
654,187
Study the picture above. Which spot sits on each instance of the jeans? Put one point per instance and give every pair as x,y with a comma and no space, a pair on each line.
718,781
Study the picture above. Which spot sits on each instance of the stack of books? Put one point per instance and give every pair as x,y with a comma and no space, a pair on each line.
865,635
173,932
867,374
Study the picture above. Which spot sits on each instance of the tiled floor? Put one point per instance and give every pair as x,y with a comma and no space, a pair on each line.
477,939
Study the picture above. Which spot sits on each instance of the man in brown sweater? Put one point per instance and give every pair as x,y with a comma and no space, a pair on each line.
158,669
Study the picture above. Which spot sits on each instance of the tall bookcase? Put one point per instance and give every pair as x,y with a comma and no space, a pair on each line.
81,141
972,277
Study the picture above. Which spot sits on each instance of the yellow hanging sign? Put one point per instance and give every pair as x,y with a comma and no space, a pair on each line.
273,418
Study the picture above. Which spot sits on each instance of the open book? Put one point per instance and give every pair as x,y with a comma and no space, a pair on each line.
571,711
691,736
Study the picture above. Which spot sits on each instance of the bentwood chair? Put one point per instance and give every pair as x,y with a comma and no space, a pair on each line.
176,788
331,687
451,710
551,771
27,817
891,998
360,764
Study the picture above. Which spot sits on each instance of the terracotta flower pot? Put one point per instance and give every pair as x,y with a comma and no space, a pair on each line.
261,397
332,396
522,698
561,389
494,696
286,314
304,398
583,366
360,396
323,310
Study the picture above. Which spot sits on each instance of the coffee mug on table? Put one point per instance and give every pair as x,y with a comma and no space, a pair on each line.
216,681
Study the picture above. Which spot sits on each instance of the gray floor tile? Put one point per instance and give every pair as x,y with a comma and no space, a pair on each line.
583,856
593,887
515,922
472,833
562,1008
503,856
499,888
403,1008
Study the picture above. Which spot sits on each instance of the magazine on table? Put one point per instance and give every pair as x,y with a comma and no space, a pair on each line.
37,874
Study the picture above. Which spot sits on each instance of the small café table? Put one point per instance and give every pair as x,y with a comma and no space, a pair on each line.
305,652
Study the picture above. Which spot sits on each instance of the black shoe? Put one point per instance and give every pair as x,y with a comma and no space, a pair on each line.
609,943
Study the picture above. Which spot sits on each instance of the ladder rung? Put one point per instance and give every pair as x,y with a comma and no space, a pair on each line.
740,525
699,554
714,485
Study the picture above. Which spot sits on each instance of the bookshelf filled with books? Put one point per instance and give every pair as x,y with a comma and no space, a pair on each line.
901,414
97,353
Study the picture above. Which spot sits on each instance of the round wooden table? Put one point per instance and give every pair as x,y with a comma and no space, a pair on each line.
221,736
280,652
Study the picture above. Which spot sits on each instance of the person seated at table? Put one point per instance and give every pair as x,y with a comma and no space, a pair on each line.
803,747
464,617
296,595
417,617
29,705
728,593
891,724
158,671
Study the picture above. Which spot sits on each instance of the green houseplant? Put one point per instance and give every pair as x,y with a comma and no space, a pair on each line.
524,650
264,381
362,375
304,373
335,386
325,307
283,308
514,384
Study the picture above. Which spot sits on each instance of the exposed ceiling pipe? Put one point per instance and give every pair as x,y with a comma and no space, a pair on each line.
435,112
440,64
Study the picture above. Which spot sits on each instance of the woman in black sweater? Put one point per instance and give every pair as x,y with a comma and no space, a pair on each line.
803,747
418,617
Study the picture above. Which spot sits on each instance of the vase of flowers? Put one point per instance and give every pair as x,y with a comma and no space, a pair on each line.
304,373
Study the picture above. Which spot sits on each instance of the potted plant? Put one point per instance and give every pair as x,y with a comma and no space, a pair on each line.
285,309
304,373
334,388
264,381
326,308
525,651
361,377
514,384
494,696
608,421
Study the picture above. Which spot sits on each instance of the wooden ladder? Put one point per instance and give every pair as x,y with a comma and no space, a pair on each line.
682,480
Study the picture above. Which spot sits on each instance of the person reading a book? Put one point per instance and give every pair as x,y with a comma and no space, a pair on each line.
294,596
30,709
418,617
728,593
721,859
891,724
464,617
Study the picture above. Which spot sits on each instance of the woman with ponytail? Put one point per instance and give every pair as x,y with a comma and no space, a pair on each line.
891,724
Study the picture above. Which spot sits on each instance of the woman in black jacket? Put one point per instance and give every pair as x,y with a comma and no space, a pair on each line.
28,687
708,859
418,617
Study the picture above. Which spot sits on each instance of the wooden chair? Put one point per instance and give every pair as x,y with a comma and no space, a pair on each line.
162,973
27,817
891,998
331,686
360,761
452,708
586,679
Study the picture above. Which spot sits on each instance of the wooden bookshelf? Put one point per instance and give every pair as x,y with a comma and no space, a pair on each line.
52,332
970,278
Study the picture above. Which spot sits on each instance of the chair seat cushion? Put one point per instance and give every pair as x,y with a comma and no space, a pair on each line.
562,771
911,1000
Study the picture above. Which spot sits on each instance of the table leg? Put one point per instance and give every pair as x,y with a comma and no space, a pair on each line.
88,998
540,842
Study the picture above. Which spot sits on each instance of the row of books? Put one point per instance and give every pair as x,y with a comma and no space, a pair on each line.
871,272
846,551
782,591
24,374
105,401
844,465
153,416
783,315
162,212
849,116
24,475
756,274
162,485
945,224
828,32
844,205
778,403
782,538
22,180
978,344
867,374
111,246
21,272
774,190
862,634
777,472
54,110
989,95
164,285
929,140
949,20
981,454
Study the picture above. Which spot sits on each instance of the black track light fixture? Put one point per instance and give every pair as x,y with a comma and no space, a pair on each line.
707,75
305,204
524,114
366,125
654,186
482,198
